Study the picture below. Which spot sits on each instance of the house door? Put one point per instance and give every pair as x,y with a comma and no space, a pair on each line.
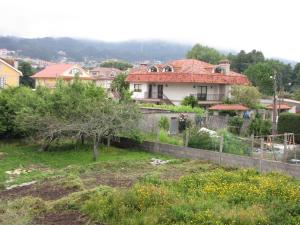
160,91
150,91
202,93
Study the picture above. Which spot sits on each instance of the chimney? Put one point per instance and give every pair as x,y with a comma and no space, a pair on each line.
225,66
16,64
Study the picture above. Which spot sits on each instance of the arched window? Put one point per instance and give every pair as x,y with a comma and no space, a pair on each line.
153,69
75,71
168,69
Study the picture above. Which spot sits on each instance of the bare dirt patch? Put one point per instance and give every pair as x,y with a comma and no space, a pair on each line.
45,191
62,218
111,180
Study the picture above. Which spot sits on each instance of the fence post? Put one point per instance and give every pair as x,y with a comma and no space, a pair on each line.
221,149
285,149
187,136
252,144
261,154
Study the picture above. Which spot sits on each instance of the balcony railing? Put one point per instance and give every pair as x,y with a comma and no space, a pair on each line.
209,97
153,94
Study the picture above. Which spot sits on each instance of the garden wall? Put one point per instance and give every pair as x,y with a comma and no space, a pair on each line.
215,157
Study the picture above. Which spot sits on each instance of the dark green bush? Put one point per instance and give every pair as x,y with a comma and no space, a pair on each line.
202,140
289,122
258,126
235,124
190,101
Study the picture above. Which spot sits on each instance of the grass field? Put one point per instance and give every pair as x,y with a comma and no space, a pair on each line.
122,187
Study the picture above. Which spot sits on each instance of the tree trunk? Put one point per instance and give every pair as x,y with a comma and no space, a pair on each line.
108,141
82,139
46,146
95,148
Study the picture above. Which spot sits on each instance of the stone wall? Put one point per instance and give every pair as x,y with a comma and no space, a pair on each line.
215,157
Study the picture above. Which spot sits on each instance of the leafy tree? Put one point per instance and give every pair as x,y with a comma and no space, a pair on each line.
297,94
243,60
246,95
121,87
204,53
259,74
27,71
106,119
116,64
190,101
296,72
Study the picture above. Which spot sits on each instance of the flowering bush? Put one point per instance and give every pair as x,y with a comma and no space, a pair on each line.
213,197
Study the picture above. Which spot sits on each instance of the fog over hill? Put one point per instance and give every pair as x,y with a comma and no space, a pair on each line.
77,49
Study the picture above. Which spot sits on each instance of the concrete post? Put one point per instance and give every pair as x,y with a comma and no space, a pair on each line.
221,148
261,154
252,144
285,149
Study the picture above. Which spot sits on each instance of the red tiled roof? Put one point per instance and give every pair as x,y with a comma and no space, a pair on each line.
279,106
186,71
228,107
52,71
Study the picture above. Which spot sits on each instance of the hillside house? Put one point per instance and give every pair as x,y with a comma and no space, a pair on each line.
9,74
171,82
52,73
104,76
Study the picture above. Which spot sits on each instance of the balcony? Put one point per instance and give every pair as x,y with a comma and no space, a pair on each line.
209,97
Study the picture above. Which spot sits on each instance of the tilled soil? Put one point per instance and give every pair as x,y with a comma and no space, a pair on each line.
62,218
45,191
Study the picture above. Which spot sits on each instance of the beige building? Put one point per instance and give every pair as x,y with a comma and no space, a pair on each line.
52,73
104,76
9,75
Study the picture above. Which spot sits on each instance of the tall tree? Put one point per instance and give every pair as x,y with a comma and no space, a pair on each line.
204,53
246,95
27,71
243,60
116,64
121,87
259,74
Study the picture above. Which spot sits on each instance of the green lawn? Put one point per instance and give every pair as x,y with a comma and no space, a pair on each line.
47,163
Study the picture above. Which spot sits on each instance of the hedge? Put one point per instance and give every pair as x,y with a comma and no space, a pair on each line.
290,123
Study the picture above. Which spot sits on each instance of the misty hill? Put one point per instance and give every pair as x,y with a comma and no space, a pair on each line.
77,49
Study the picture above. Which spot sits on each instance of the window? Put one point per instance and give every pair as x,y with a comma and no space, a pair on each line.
2,82
153,69
137,88
168,69
75,71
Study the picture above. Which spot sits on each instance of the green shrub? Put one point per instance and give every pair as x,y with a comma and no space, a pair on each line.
235,124
164,137
290,123
190,101
164,123
202,140
258,126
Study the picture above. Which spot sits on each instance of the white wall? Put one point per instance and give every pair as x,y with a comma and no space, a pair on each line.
141,94
176,92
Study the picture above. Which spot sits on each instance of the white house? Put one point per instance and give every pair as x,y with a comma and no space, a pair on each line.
171,82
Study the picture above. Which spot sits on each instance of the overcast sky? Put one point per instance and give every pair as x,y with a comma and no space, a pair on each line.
272,26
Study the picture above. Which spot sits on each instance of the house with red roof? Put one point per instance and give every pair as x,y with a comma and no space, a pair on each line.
171,82
54,72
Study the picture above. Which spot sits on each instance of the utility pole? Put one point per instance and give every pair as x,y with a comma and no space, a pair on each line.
274,121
